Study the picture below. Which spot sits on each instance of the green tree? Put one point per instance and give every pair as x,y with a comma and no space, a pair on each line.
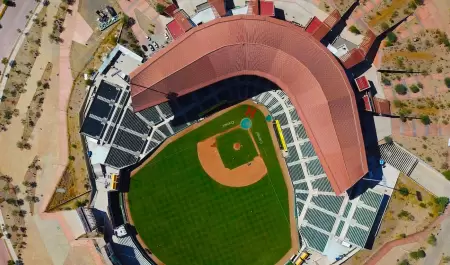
425,119
388,139
89,82
414,88
160,8
401,89
432,240
391,37
446,81
404,262
353,29
446,174
403,191
384,26
5,61
441,203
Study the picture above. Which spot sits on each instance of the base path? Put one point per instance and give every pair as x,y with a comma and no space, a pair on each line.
212,164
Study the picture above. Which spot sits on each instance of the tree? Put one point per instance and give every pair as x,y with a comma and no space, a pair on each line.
447,82
160,8
404,262
414,88
89,82
441,202
432,240
11,262
388,140
401,89
425,119
353,29
403,191
384,26
410,47
417,254
5,61
391,37
446,174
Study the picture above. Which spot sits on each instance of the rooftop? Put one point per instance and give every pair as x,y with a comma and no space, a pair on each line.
278,51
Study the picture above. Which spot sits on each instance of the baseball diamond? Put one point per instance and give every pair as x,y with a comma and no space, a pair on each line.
184,214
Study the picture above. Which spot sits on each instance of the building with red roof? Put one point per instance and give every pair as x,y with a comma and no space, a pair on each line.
278,51
180,24
362,83
267,8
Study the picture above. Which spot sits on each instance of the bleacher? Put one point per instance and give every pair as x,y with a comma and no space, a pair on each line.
328,202
296,172
322,184
357,235
398,158
320,219
314,167
372,199
151,115
133,122
364,216
315,239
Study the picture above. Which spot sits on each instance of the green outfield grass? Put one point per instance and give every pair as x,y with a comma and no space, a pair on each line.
233,158
185,217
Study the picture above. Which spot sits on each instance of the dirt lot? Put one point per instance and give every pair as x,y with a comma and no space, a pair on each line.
427,147
387,14
34,111
19,74
425,53
405,215
343,5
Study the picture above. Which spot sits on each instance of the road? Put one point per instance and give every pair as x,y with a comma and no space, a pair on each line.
4,254
442,248
14,18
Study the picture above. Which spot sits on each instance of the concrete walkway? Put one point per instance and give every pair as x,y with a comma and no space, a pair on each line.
442,248
431,179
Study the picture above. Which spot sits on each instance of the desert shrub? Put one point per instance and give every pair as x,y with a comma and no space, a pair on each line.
401,89
429,159
419,254
384,26
410,47
404,262
385,81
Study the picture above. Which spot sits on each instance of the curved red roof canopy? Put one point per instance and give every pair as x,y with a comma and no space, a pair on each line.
281,52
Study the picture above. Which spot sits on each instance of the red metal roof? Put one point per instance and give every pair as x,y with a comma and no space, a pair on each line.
367,105
175,29
183,20
267,8
313,25
382,106
219,5
170,10
278,51
362,83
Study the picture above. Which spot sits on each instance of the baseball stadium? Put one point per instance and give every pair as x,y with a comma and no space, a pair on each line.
242,144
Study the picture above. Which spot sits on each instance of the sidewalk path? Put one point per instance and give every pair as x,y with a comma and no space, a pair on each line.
377,256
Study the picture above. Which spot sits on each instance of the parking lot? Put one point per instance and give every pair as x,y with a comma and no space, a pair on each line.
153,44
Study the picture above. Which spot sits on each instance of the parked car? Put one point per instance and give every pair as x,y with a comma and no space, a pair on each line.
144,48
155,44
151,47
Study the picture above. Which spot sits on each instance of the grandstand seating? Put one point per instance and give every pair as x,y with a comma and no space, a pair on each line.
322,184
315,239
328,202
296,172
398,158
357,235
320,219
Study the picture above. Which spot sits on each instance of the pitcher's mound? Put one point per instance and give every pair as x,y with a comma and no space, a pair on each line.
236,146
